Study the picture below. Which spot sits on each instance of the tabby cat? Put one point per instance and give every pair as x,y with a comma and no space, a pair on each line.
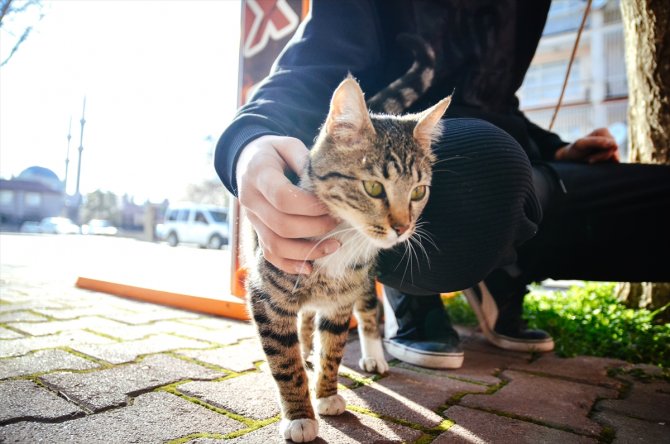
373,172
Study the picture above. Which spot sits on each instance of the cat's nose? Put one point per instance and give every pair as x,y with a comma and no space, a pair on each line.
400,229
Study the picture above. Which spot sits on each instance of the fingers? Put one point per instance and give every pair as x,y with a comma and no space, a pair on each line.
282,213
290,255
292,151
286,224
603,132
289,198
604,156
592,148
595,143
286,197
261,168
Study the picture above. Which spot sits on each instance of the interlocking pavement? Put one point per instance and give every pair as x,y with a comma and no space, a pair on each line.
84,367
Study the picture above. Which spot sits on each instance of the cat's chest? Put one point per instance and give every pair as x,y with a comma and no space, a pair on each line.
355,254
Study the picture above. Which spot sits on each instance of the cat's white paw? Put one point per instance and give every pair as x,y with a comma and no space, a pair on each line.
299,430
373,365
331,405
372,352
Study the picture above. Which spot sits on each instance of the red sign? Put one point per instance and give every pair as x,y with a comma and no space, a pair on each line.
267,25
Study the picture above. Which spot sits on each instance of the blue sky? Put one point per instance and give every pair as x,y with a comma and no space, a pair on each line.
160,76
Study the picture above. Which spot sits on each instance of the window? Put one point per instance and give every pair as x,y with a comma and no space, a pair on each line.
172,216
6,197
219,216
564,15
543,83
200,218
183,215
615,68
33,199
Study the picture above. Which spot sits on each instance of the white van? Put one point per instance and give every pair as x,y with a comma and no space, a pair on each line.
205,225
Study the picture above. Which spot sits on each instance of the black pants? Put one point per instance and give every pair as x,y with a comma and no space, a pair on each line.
489,208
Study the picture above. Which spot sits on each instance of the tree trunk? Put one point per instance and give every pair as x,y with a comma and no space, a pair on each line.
647,39
646,24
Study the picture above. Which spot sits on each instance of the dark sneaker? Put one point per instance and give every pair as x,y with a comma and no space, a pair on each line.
498,305
417,330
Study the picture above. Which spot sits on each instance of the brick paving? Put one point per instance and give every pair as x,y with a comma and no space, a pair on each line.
85,367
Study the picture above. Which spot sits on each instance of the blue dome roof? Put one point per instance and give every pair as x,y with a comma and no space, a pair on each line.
42,175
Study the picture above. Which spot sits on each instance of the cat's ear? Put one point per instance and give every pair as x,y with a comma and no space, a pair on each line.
348,117
429,127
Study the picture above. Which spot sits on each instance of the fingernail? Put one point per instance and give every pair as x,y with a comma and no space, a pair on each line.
330,246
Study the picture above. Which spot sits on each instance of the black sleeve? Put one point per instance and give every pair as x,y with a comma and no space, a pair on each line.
338,37
546,141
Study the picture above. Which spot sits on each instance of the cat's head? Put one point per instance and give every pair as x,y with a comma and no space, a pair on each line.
374,171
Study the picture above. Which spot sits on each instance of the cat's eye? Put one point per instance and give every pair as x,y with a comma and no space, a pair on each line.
418,193
373,188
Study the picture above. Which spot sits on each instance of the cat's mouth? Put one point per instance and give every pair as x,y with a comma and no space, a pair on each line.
386,237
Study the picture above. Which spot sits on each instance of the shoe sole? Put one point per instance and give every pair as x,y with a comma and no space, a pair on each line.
424,358
486,312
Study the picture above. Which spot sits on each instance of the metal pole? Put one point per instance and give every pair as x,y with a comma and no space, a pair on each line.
67,157
81,148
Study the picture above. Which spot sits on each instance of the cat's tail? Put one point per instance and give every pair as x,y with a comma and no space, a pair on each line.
403,92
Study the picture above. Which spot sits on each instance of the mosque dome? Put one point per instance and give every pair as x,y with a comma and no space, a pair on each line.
42,175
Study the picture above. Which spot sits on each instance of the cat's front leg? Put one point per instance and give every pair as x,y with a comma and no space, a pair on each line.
333,332
278,330
306,329
372,351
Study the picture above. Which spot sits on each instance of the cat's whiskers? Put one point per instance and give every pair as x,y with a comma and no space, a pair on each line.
423,234
446,171
401,258
412,249
362,243
435,163
450,158
410,257
417,240
408,263
325,238
359,240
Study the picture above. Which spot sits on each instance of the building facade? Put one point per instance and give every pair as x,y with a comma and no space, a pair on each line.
35,194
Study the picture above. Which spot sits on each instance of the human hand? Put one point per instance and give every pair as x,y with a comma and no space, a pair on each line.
282,214
596,147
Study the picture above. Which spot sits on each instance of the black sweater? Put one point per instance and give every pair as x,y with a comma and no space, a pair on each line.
483,47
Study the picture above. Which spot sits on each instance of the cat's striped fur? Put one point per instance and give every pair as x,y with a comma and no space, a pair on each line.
355,153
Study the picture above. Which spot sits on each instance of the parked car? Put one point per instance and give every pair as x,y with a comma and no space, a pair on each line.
30,226
58,225
204,225
99,226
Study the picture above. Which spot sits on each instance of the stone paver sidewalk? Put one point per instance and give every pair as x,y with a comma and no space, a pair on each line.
85,367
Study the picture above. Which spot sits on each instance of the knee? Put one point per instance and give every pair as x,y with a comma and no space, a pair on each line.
482,142
482,206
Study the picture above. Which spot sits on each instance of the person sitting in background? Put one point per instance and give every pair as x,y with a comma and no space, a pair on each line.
511,203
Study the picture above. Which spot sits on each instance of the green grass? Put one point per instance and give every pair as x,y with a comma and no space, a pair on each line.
589,320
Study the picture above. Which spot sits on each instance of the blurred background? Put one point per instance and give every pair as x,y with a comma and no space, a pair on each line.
110,110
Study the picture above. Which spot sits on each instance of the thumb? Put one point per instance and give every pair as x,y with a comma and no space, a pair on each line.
293,152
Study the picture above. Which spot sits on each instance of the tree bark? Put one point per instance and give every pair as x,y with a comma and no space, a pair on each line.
647,42
647,39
